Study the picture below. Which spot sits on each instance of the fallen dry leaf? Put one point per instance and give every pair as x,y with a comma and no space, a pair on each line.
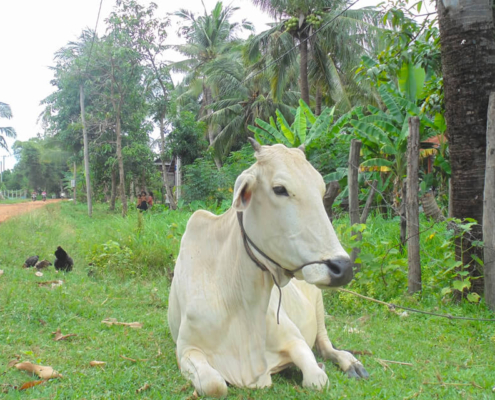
59,336
28,385
39,273
1,271
97,363
142,389
12,363
52,284
113,321
127,358
41,371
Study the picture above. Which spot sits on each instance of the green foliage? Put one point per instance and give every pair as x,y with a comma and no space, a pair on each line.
111,257
204,182
6,112
186,140
305,128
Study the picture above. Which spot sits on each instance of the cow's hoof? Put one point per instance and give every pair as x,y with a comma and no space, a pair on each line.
357,371
214,389
317,380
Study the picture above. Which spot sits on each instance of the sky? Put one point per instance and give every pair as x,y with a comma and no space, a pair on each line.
32,31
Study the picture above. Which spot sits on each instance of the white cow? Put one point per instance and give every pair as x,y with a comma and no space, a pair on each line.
223,302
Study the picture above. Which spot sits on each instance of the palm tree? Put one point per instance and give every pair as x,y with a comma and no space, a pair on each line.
240,101
331,40
7,131
467,48
209,37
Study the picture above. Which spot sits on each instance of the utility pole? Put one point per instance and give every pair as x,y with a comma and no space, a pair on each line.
86,152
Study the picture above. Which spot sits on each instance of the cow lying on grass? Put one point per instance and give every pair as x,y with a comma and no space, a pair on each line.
223,305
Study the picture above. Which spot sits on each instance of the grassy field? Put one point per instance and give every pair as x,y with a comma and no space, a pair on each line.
128,281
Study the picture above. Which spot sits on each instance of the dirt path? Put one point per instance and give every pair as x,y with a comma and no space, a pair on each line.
11,210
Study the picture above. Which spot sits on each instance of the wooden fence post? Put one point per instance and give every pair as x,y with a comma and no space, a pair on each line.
352,179
403,216
412,207
489,207
331,194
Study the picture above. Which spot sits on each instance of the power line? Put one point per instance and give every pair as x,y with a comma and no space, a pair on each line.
94,35
302,41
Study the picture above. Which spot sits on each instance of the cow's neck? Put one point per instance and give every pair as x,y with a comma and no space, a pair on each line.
246,295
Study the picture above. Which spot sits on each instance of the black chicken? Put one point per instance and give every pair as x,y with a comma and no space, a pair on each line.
43,264
31,262
63,262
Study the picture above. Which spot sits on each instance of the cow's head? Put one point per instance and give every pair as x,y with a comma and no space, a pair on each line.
281,197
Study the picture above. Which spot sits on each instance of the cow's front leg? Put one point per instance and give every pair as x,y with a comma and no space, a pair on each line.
206,380
313,375
347,362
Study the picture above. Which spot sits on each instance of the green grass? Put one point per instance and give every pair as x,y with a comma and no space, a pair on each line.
459,352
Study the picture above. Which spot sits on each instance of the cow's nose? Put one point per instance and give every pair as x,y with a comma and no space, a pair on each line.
340,269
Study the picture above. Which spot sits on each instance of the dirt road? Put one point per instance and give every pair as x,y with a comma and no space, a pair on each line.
11,210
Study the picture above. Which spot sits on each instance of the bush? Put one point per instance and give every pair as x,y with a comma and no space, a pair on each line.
204,182
112,257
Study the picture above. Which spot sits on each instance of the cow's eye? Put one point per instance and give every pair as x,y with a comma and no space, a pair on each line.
280,191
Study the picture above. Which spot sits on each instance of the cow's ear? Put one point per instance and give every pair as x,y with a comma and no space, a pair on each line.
243,191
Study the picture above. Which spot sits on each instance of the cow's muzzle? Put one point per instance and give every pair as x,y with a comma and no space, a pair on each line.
340,271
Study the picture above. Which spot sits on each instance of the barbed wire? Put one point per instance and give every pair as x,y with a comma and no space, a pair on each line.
451,225
393,306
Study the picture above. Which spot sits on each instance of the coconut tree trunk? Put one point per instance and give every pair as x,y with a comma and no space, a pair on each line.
468,63
318,99
211,129
166,184
303,67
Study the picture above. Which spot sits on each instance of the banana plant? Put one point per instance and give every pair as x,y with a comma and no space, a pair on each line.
384,133
306,127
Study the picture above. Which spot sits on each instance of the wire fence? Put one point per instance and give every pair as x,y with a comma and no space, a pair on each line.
452,230
13,194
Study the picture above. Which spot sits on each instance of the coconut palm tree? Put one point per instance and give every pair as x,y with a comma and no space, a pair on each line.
331,39
7,131
210,37
241,101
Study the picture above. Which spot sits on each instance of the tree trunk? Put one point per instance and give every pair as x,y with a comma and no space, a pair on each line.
113,193
331,194
430,207
468,63
412,208
211,129
86,152
74,188
403,216
352,178
318,99
489,208
166,184
131,192
120,161
369,201
303,67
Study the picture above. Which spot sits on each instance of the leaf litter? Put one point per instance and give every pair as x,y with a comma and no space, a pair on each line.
113,321
44,372
59,336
